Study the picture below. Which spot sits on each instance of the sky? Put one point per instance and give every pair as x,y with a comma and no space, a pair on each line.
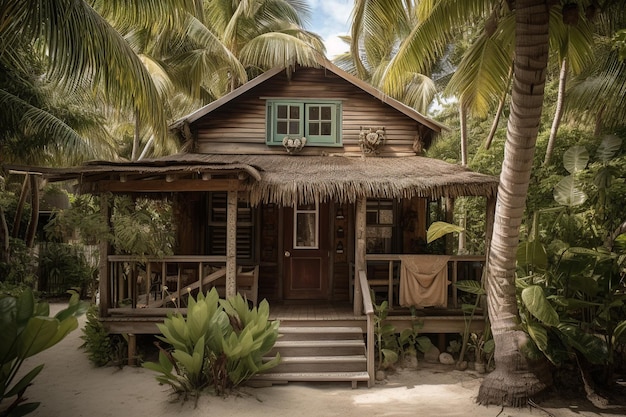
329,19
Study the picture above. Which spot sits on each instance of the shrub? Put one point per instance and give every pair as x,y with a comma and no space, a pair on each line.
63,267
220,344
20,268
97,341
26,330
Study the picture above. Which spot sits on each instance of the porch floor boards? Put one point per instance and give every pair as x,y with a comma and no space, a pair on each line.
144,320
313,312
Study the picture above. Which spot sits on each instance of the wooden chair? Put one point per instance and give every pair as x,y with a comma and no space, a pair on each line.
247,284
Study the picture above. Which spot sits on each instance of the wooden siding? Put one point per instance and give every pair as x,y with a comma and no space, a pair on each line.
239,126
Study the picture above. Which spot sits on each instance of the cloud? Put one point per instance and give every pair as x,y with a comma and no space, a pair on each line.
331,19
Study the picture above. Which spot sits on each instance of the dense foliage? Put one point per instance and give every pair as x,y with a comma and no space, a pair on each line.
26,330
219,345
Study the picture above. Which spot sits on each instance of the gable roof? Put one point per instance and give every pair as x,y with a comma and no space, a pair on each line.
324,63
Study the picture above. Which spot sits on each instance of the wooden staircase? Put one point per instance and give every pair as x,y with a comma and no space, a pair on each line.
319,353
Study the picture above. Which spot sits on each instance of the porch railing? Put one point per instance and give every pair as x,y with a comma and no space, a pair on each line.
368,310
153,282
384,274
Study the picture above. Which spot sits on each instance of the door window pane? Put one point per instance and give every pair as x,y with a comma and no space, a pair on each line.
306,227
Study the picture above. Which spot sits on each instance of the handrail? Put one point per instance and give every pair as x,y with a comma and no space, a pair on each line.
368,309
368,305
169,258
396,257
129,288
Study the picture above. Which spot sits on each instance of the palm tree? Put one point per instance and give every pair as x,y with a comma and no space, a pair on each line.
263,34
574,43
598,95
377,30
55,56
515,378
204,52
78,47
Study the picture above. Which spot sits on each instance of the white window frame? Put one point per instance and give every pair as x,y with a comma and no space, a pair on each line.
297,211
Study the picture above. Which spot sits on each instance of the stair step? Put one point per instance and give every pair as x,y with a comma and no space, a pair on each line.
319,343
318,347
314,376
312,353
320,333
294,364
323,330
321,359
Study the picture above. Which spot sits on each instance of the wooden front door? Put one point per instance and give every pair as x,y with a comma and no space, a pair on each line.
306,273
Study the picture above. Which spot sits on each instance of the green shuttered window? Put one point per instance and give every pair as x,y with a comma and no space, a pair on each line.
319,121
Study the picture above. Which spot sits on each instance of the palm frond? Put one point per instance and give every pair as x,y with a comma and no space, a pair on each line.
429,38
40,132
276,48
482,75
80,46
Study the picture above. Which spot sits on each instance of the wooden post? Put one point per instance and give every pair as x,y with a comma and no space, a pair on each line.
449,219
489,220
231,245
104,271
132,349
359,254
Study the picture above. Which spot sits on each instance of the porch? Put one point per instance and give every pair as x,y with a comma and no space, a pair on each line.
140,292
318,326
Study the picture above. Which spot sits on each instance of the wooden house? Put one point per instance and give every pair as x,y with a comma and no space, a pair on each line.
314,181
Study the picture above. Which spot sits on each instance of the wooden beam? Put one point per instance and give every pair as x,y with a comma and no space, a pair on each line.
231,245
164,185
359,252
104,272
449,218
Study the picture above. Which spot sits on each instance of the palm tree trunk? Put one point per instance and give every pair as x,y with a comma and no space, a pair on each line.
4,239
17,221
136,138
558,114
34,211
515,378
463,117
496,119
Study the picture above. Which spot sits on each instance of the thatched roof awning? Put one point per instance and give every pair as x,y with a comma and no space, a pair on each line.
289,179
170,165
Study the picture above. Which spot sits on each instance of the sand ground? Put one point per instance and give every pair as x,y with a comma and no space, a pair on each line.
70,386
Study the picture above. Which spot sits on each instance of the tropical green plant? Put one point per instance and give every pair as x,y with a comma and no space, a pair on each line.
482,345
143,227
82,219
385,339
26,330
63,267
20,268
554,314
440,229
220,344
571,297
96,339
469,310
391,345
409,339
